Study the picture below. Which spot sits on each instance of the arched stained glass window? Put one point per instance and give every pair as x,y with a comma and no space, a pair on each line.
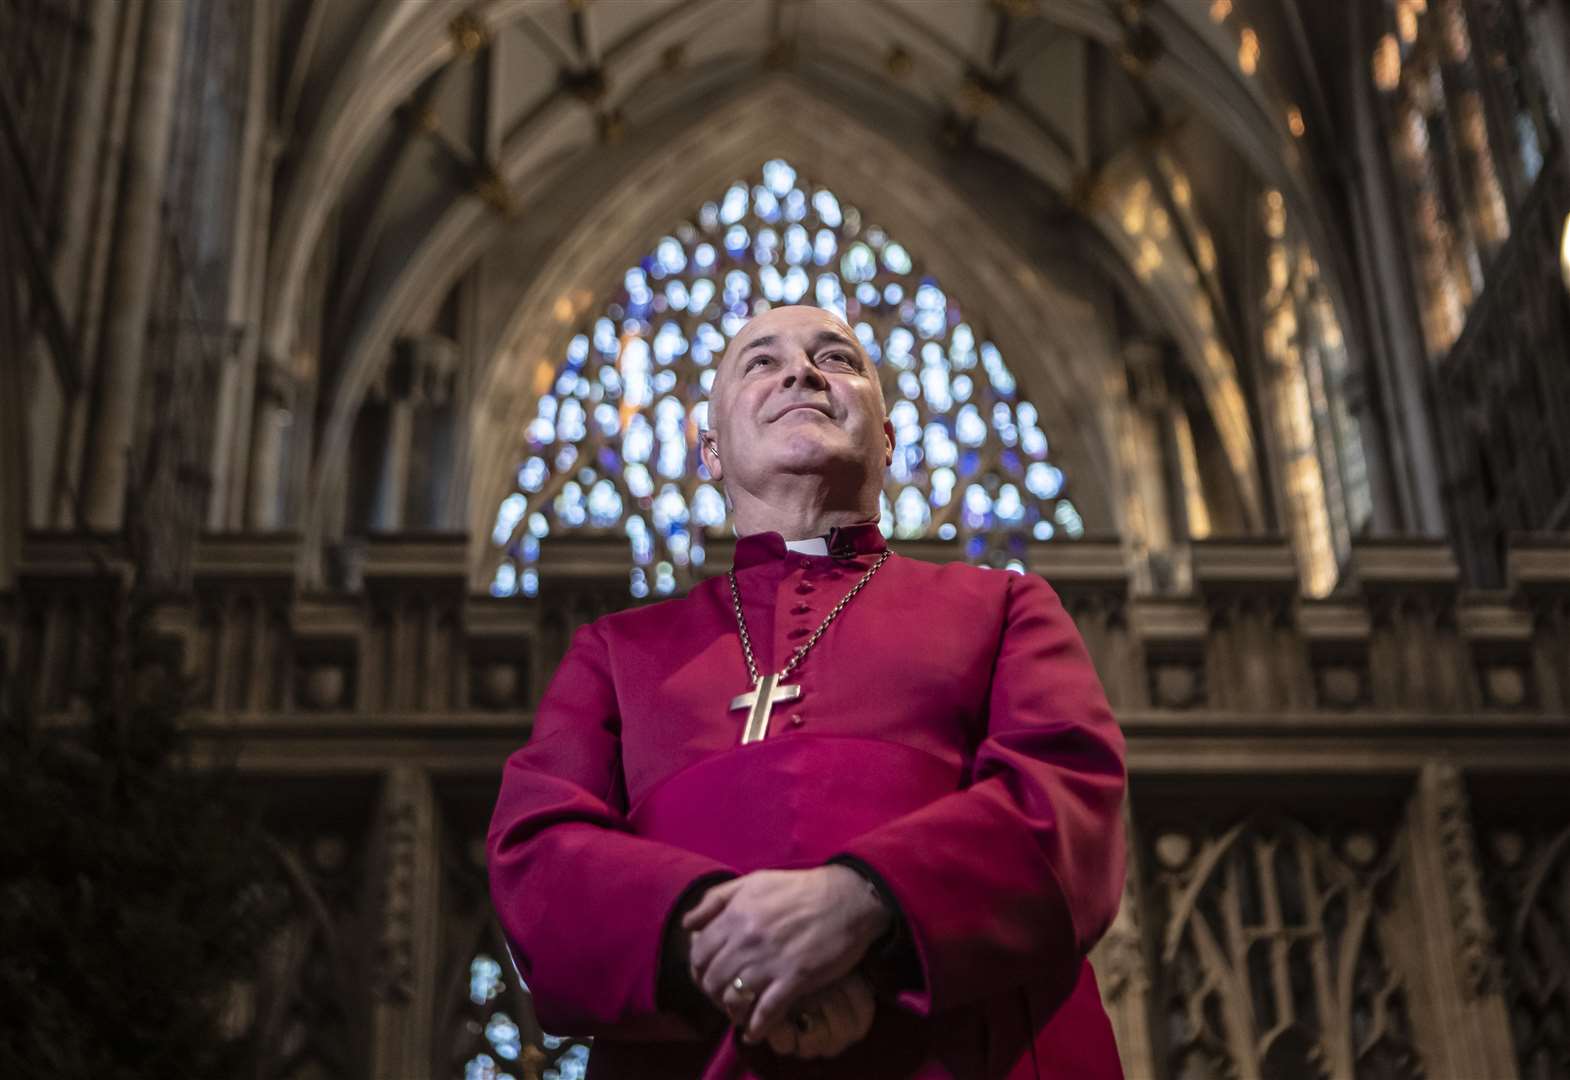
612,448
1319,437
1468,126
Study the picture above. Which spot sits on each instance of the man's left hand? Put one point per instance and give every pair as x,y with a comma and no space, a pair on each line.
786,933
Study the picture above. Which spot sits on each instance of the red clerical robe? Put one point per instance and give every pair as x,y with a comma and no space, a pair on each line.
951,735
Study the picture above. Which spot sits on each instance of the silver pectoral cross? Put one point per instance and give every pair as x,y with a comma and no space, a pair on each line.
765,693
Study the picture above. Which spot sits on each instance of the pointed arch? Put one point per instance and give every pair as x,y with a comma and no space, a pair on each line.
620,414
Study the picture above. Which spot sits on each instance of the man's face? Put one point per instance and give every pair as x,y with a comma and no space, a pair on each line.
795,393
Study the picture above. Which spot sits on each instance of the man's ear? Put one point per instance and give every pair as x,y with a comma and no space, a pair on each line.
712,450
888,442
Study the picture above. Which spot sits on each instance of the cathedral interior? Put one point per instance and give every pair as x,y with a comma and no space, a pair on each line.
368,342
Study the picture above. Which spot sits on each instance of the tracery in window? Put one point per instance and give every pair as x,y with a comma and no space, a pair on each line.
1320,442
612,448
1450,158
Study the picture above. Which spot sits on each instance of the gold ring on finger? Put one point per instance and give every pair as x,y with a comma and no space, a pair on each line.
746,994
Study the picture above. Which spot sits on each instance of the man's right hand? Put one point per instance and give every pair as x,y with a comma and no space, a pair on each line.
836,1018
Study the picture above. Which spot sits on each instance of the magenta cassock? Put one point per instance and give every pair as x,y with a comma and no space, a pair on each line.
951,734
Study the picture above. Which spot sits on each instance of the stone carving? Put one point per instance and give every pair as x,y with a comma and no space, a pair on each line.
1272,960
394,970
1528,871
1465,894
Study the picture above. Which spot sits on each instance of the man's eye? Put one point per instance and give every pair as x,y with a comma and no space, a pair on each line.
756,360
839,358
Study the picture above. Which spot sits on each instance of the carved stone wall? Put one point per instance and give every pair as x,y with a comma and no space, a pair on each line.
1337,873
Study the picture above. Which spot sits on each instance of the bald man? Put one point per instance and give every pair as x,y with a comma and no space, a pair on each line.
834,814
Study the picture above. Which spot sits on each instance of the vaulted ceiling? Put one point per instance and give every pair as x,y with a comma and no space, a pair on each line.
415,139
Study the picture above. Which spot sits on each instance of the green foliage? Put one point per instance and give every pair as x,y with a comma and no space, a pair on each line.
136,889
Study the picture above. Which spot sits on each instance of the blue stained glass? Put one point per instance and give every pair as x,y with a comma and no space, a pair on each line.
824,246
939,447
779,176
798,249
734,207
604,505
859,263
605,337
578,350
765,204
532,474
828,208
969,427
975,547
911,514
540,432
530,582
701,294
795,285
504,1036
506,581
570,425
795,205
670,256
771,282
485,979
1044,481
622,429
828,293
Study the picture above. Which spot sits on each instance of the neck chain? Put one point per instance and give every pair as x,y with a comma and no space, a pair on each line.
766,690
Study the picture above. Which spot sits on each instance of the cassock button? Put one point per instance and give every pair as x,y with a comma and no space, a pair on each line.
804,588
806,563
800,631
797,721
801,608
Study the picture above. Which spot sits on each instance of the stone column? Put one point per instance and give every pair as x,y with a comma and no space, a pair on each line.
138,229
393,485
1458,1007
50,406
406,884
274,397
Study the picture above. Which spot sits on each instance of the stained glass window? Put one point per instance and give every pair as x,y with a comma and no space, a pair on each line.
494,1045
613,446
1319,438
1458,121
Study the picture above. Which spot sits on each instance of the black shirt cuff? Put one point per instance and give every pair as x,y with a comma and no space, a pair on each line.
891,963
676,992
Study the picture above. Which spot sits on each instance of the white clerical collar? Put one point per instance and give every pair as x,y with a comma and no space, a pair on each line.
813,545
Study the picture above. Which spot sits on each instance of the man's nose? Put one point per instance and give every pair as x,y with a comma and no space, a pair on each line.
802,369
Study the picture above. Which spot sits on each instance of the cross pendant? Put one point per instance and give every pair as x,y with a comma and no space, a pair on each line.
765,693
